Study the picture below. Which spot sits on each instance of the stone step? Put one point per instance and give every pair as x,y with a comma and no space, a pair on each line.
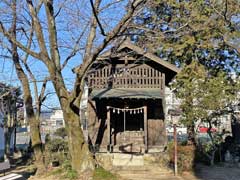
145,171
154,178
124,155
146,176
127,160
143,175
143,168
132,168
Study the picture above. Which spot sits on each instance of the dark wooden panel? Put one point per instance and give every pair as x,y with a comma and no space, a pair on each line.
156,132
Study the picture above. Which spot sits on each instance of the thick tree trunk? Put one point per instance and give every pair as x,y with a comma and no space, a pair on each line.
81,158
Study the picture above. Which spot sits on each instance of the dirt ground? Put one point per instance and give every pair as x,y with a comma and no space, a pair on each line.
202,173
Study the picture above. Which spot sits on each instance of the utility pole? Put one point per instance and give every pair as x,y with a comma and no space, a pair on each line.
175,150
173,113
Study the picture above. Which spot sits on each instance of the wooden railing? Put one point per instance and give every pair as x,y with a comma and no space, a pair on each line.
141,76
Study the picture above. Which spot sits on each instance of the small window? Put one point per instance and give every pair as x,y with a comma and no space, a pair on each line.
59,122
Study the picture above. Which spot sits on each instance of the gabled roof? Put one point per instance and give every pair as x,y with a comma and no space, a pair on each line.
140,51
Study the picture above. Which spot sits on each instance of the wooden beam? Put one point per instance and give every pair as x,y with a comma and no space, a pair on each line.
145,129
108,129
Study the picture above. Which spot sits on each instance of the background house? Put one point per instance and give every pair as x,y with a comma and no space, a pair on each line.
10,102
172,104
51,121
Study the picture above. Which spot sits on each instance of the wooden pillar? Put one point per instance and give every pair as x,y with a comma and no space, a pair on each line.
145,129
108,130
164,108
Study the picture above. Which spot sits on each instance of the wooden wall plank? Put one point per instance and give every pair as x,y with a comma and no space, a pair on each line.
141,76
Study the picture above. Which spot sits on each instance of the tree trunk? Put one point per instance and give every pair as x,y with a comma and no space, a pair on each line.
81,158
28,102
212,157
37,144
191,135
34,122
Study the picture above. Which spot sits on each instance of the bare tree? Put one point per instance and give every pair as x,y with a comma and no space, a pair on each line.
33,117
96,34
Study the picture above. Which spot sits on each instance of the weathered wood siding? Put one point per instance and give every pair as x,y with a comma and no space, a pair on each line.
134,140
156,132
131,76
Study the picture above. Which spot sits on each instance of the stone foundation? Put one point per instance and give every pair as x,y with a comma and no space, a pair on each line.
110,161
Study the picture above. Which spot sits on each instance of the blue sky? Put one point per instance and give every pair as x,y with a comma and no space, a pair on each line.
69,29
70,24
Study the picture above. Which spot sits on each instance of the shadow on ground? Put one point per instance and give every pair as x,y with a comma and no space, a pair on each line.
20,166
216,172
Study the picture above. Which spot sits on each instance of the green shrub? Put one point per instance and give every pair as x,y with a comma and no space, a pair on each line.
57,145
185,156
56,150
209,150
61,132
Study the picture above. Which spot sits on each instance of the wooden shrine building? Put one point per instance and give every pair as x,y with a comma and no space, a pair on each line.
125,111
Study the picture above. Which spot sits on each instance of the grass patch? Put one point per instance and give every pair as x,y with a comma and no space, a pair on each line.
71,174
102,174
63,174
56,172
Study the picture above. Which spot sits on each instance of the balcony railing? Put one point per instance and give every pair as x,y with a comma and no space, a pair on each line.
141,76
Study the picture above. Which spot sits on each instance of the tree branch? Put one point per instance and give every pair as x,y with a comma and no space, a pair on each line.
95,13
41,97
39,32
75,48
226,41
110,4
52,33
90,58
21,46
92,33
